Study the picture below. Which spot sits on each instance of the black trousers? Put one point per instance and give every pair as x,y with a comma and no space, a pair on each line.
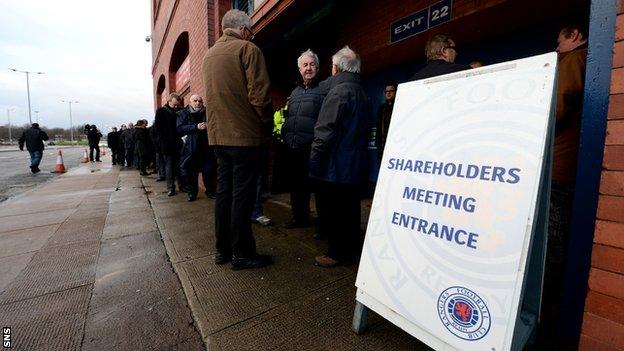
300,185
120,156
172,169
129,149
114,155
160,165
237,174
339,219
97,152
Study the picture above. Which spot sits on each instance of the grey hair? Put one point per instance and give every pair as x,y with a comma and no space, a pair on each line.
308,53
347,60
235,19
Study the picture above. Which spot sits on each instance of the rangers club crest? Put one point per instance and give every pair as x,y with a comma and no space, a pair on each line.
464,313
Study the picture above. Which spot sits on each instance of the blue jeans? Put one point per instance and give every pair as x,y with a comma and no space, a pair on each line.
35,158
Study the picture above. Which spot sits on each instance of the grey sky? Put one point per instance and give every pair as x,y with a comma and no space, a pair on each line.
91,51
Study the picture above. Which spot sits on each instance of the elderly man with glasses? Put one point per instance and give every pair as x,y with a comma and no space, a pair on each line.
441,53
239,122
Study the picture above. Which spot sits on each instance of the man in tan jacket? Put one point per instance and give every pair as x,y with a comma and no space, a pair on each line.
239,118
572,49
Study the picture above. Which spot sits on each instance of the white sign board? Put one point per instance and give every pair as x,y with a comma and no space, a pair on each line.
451,222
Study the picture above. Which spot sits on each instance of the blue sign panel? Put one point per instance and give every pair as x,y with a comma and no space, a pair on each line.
420,21
440,12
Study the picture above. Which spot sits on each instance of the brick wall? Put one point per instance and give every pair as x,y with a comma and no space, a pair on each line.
174,17
603,322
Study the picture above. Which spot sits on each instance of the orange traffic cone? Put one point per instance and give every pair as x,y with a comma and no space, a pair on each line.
85,157
60,166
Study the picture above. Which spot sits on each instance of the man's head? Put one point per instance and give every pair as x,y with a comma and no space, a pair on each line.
441,47
130,125
145,122
174,100
93,127
570,37
390,91
35,125
308,64
197,102
123,126
346,60
238,21
114,129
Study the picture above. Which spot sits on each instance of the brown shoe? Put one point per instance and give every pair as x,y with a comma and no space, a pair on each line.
326,261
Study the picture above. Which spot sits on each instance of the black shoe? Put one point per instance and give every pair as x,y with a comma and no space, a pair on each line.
171,193
221,258
145,174
160,179
318,236
37,170
296,224
257,261
32,169
98,161
191,198
210,195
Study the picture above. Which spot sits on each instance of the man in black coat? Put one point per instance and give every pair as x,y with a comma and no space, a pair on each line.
441,53
197,156
127,138
94,136
33,137
169,143
304,105
383,118
338,159
113,139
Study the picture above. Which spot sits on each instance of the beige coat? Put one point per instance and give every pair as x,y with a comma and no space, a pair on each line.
238,108
571,81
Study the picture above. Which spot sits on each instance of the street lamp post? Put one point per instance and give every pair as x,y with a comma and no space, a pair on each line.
37,116
27,89
9,120
71,122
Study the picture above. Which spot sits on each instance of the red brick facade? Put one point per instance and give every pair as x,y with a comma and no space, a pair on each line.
603,322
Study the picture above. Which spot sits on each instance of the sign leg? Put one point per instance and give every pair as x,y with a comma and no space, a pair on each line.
360,318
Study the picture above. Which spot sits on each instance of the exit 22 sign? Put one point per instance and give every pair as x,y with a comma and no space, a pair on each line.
421,20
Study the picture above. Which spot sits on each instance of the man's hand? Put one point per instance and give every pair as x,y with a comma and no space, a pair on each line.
201,126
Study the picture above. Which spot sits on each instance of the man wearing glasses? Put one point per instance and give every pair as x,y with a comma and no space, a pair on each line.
441,53
239,122
383,118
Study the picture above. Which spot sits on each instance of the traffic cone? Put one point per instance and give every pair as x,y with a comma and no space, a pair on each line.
60,166
85,157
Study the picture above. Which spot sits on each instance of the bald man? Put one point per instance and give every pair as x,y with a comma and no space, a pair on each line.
196,155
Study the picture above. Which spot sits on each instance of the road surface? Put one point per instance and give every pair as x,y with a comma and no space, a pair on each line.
15,175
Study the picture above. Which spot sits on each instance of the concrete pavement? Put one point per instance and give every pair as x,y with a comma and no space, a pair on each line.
70,279
102,259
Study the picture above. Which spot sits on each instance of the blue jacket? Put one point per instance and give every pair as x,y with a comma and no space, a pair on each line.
195,153
339,150
303,109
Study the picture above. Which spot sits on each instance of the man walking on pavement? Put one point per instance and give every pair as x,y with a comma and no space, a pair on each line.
169,143
239,115
338,160
197,156
33,137
113,139
94,136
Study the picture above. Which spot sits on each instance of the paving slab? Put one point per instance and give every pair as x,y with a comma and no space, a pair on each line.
49,322
78,229
11,266
25,240
54,269
17,222
137,297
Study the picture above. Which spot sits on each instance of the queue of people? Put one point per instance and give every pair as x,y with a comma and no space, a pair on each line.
325,130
